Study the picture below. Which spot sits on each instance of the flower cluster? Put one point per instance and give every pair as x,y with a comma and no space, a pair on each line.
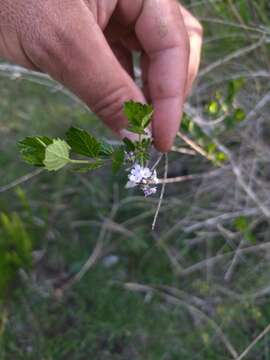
129,156
143,177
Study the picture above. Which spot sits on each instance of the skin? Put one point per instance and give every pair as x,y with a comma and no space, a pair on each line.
87,45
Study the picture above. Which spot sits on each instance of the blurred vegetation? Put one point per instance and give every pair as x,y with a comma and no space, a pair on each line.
81,274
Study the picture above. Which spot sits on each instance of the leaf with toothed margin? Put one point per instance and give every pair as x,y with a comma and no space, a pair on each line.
130,146
96,164
118,158
139,115
83,143
33,149
57,155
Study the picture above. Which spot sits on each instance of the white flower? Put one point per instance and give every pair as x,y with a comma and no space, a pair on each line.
142,176
146,173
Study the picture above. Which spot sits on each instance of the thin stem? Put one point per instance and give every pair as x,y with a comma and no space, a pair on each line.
74,161
254,342
3,320
161,194
21,180
157,162
183,150
194,146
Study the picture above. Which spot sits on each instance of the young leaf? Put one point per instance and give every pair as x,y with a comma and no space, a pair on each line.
185,123
57,155
241,223
239,115
33,149
130,146
83,143
139,115
137,130
118,159
15,251
105,149
234,87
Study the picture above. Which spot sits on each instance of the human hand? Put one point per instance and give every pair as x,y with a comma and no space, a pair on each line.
87,46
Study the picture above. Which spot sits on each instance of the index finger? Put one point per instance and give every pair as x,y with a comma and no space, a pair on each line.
162,34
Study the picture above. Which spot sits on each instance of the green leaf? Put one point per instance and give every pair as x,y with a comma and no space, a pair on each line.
83,143
106,149
88,167
234,87
221,157
249,236
130,146
137,130
239,115
211,148
185,123
229,122
139,115
33,149
213,107
241,223
118,159
146,143
57,155
15,251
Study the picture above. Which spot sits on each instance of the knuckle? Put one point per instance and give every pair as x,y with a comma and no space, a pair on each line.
196,26
199,27
109,107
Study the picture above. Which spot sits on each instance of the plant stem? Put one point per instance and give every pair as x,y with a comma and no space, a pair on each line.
162,193
3,320
74,161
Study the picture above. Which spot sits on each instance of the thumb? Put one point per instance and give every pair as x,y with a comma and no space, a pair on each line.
76,53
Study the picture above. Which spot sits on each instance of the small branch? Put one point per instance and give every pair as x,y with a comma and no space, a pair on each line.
254,342
175,300
194,146
215,259
178,179
162,193
157,162
89,263
91,260
229,272
3,320
183,150
235,167
233,55
21,180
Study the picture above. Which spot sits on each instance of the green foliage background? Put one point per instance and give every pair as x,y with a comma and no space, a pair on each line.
170,294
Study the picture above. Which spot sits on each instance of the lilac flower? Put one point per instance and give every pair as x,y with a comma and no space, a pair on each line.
137,174
129,156
148,191
154,177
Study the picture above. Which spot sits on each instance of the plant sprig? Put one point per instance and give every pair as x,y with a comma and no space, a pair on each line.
85,152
